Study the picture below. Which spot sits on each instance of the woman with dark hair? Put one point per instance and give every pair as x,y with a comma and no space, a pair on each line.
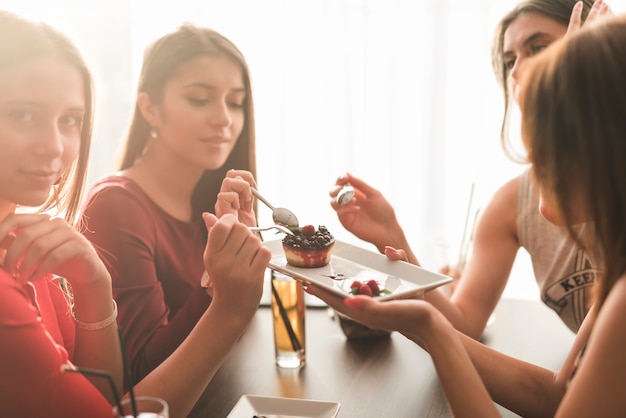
162,61
572,99
564,272
190,149
56,306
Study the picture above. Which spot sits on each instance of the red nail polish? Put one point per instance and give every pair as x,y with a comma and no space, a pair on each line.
353,302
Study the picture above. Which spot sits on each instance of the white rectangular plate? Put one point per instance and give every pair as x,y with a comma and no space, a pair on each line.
349,263
271,407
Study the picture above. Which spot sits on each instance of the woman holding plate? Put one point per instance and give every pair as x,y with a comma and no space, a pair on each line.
575,142
564,271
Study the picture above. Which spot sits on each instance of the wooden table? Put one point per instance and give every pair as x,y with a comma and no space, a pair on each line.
385,377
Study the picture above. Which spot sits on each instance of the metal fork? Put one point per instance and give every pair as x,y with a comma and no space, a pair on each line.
267,228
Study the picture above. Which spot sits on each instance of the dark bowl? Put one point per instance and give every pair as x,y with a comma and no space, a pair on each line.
355,330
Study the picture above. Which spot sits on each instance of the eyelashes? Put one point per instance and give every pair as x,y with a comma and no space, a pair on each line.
197,102
27,117
203,102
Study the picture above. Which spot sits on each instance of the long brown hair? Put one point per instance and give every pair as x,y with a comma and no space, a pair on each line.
557,10
161,60
20,40
573,98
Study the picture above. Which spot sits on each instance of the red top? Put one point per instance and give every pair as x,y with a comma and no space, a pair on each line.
36,334
155,262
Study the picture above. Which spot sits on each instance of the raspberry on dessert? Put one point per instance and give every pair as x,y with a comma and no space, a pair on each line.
308,230
306,249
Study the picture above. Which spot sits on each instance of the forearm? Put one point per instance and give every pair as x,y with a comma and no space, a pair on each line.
192,366
466,394
524,388
164,339
443,304
99,348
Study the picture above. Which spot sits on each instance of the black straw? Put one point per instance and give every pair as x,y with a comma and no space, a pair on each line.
292,335
128,373
99,373
295,344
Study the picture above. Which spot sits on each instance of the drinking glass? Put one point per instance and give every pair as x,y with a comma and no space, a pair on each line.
288,311
147,407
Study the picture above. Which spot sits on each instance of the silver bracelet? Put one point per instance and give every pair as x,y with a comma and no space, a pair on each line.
95,326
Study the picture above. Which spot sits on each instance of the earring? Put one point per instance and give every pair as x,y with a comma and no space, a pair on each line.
153,134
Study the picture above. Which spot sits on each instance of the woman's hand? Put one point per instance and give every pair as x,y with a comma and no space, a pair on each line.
236,198
236,261
416,319
598,10
368,215
394,254
37,244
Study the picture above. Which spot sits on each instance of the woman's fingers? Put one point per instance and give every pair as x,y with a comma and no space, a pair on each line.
331,299
236,197
575,20
235,260
242,174
240,181
363,309
42,245
60,259
262,257
38,250
361,187
230,242
6,241
209,220
227,202
395,254
218,234
362,191
14,222
17,232
596,10
599,9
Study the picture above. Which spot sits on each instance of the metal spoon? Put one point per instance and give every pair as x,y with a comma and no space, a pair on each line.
345,195
267,228
281,216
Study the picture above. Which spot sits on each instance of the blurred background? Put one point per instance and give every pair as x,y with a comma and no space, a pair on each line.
398,92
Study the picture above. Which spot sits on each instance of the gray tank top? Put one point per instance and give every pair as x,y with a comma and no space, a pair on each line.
565,273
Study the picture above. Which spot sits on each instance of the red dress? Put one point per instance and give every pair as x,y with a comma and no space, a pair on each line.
155,262
36,339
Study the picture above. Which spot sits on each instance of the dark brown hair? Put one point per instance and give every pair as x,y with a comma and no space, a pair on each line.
557,10
161,60
20,40
572,99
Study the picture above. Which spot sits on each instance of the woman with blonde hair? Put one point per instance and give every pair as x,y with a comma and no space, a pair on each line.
46,108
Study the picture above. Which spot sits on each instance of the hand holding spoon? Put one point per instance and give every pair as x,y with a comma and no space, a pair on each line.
345,195
280,216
